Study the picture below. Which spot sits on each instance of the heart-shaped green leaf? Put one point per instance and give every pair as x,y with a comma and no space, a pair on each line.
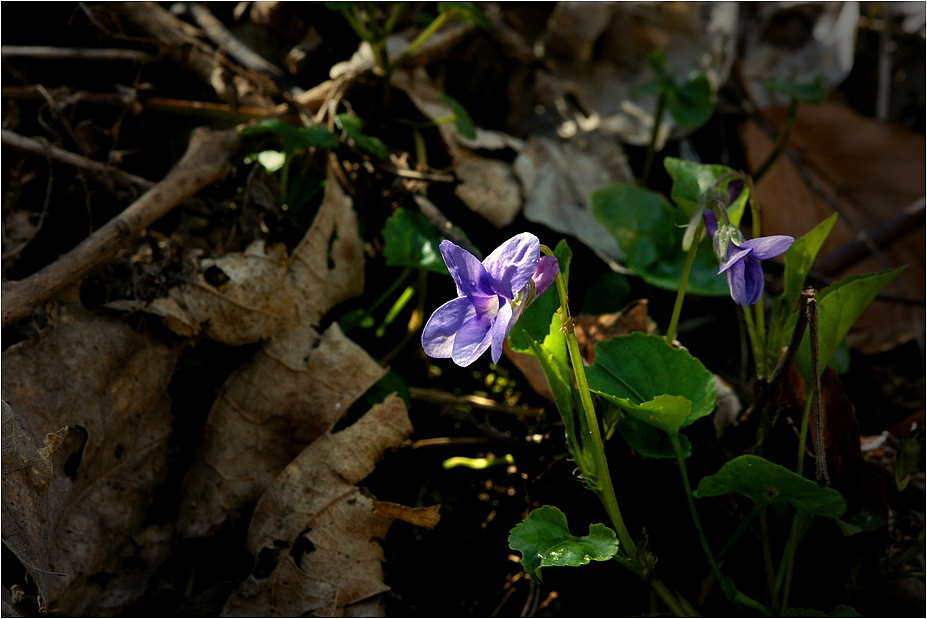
664,386
544,540
409,240
765,483
649,231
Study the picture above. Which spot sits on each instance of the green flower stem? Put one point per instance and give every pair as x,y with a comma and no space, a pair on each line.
603,482
767,559
787,567
681,460
781,140
683,284
433,27
759,344
755,342
803,436
652,147
741,528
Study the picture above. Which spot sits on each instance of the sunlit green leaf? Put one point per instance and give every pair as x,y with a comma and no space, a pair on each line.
767,483
691,180
663,386
272,160
353,127
798,260
544,540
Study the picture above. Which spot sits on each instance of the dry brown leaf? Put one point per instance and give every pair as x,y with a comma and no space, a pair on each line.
558,176
796,42
294,390
314,533
106,383
265,291
599,50
487,186
872,170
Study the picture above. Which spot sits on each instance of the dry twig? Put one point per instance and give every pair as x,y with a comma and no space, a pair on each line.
207,160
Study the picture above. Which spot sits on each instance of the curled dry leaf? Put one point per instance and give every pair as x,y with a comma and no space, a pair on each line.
314,533
294,390
487,186
107,385
264,291
872,171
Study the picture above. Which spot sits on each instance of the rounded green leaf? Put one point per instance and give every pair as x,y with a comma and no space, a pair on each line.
765,483
691,180
544,540
649,231
666,387
409,240
650,442
690,105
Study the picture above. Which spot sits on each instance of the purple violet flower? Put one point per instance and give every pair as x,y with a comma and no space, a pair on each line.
491,295
740,260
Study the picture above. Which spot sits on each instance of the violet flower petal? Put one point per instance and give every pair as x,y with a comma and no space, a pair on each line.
468,273
735,281
732,260
473,338
545,274
711,223
441,329
767,247
513,263
500,329
753,280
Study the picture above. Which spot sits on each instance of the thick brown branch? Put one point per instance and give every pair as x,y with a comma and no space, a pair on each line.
207,160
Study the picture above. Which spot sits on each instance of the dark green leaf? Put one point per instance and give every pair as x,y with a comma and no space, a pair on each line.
462,119
859,522
691,105
389,384
907,460
649,231
691,180
841,610
294,139
657,61
812,92
839,305
544,540
663,386
353,126
649,441
466,12
766,483
409,240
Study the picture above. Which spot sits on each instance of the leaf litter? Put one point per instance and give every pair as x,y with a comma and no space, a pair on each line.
100,486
